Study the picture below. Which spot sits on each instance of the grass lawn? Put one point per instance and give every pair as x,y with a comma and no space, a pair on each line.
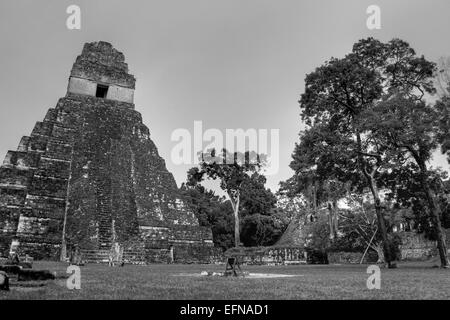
410,281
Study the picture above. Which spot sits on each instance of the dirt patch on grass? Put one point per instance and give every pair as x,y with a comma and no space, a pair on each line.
246,276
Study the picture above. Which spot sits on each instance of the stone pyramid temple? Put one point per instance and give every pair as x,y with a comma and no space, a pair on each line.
89,177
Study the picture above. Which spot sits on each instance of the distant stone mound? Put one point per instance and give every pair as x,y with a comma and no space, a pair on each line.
90,177
294,235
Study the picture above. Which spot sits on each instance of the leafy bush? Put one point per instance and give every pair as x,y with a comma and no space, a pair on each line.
262,230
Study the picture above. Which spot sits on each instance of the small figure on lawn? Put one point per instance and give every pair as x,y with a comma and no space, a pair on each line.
171,254
75,256
115,255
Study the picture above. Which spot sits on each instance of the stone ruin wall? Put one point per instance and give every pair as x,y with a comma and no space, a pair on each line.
416,247
275,255
92,161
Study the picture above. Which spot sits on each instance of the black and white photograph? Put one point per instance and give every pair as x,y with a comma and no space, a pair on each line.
241,152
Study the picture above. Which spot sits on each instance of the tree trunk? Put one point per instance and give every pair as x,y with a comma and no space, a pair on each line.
314,194
381,222
332,219
335,219
376,197
63,255
434,215
235,206
379,249
237,237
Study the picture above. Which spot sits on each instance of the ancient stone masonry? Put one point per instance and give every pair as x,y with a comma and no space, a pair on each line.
90,174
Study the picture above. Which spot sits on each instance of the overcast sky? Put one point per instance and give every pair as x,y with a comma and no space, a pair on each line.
229,63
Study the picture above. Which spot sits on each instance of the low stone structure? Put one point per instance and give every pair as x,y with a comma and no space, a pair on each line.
416,247
89,176
343,257
276,255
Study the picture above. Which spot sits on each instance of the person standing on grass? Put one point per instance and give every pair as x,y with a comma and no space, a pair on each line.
171,254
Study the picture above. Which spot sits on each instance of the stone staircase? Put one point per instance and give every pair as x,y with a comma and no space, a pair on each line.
104,215
134,257
95,256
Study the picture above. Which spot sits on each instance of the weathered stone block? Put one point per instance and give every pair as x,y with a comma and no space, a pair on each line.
42,129
57,150
49,187
14,177
12,196
21,159
53,168
416,247
38,143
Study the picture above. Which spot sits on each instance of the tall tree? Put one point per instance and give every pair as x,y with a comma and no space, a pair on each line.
341,89
233,170
408,127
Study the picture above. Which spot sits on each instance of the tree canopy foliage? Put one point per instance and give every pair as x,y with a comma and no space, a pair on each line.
366,118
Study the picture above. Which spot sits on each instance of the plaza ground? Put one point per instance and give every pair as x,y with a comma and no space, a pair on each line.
158,281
